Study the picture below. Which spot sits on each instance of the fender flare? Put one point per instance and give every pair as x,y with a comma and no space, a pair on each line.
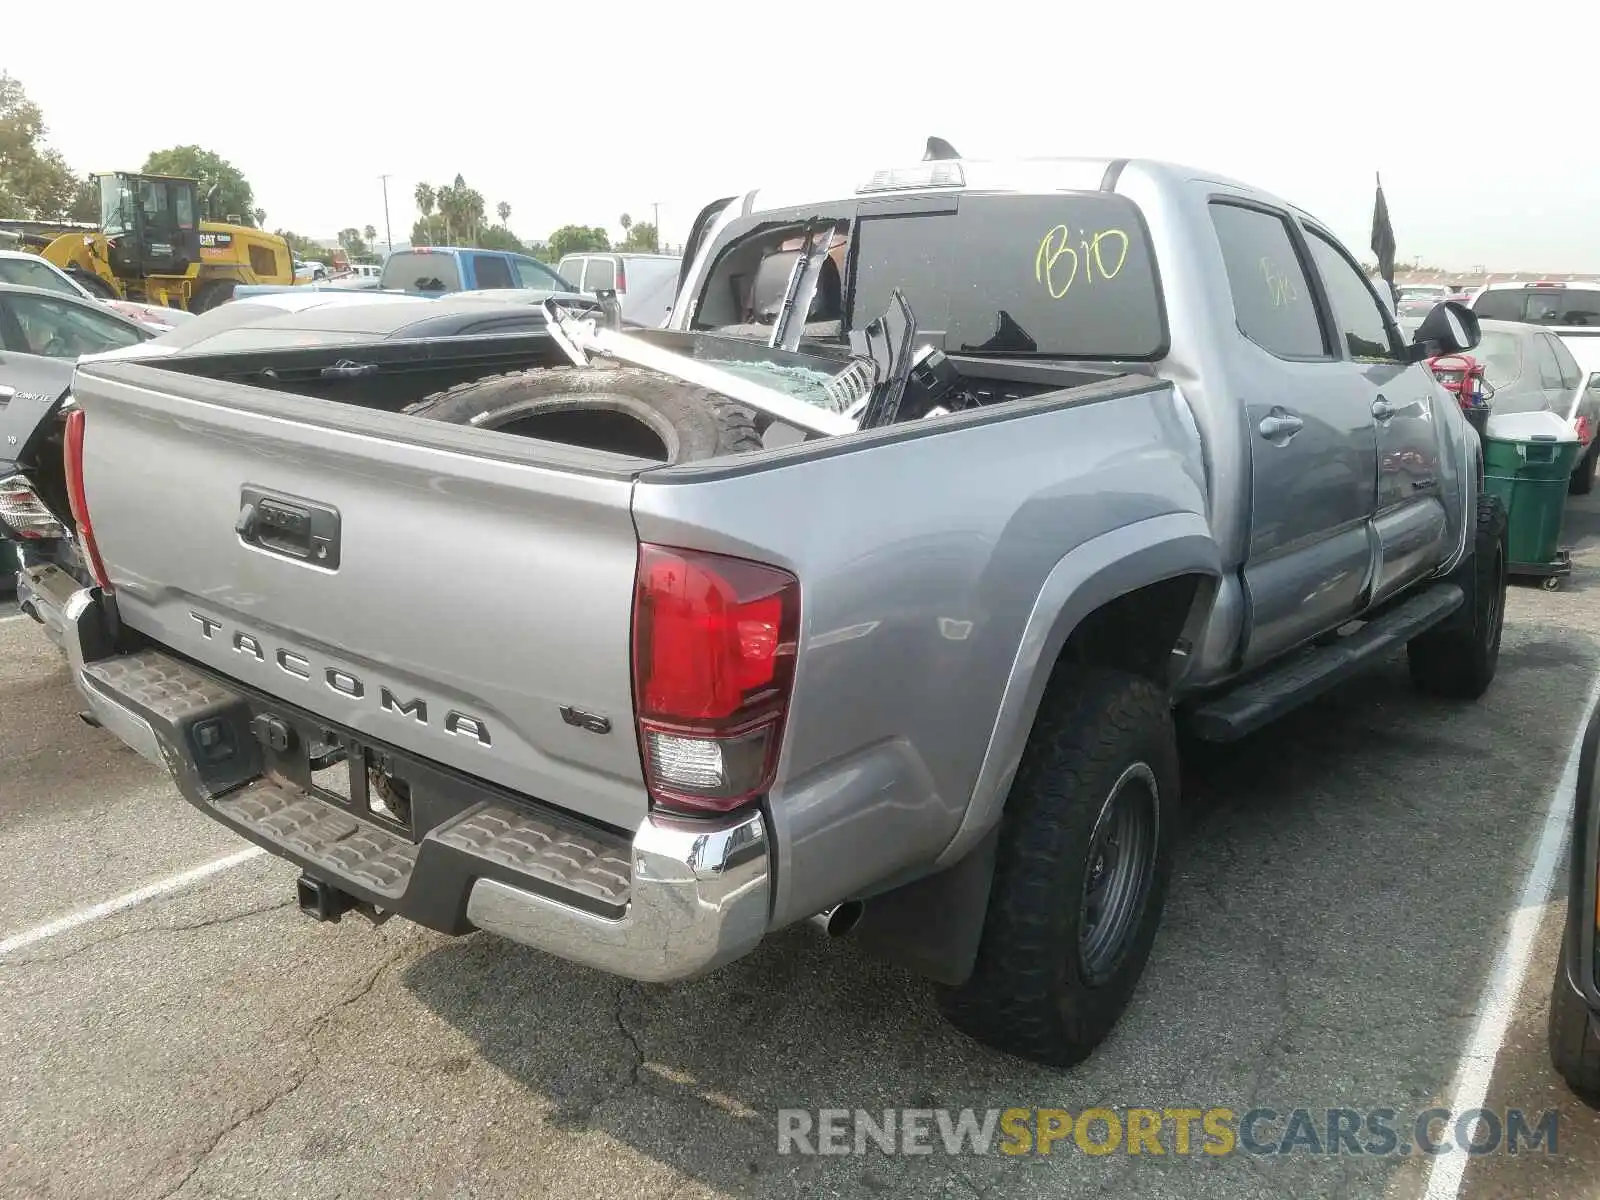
1091,575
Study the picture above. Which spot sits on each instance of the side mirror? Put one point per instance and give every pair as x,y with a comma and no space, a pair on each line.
1451,328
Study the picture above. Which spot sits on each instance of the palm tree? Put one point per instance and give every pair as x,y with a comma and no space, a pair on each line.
504,210
626,222
445,197
424,196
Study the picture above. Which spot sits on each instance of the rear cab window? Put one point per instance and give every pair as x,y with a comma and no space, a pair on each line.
1541,305
1067,275
422,271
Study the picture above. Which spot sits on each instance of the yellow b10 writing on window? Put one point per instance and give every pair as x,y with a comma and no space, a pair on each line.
1061,260
1279,286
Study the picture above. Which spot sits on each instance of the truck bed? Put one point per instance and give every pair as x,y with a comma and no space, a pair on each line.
483,583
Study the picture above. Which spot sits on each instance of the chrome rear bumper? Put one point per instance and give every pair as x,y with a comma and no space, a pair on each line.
676,900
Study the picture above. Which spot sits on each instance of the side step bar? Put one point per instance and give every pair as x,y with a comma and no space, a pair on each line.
1251,705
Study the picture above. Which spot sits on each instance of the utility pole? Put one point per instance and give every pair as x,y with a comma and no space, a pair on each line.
388,237
655,206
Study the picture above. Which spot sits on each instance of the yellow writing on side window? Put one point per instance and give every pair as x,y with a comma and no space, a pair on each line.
1280,287
1059,261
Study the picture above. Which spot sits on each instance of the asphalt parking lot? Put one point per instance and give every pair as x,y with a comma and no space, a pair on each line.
1342,894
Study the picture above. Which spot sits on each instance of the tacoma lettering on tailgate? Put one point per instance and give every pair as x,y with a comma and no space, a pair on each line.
338,679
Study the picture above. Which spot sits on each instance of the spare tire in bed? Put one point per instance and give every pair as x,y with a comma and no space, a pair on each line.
621,409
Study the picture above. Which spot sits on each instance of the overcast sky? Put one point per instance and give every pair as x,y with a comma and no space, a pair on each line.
580,112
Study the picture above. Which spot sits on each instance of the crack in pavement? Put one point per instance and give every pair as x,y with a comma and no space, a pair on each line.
139,930
308,1035
623,988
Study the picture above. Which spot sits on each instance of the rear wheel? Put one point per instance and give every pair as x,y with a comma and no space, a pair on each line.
1457,658
211,294
1080,872
620,409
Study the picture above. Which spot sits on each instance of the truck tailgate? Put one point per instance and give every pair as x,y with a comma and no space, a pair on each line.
488,577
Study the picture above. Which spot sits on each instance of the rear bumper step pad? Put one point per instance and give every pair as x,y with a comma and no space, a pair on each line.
674,901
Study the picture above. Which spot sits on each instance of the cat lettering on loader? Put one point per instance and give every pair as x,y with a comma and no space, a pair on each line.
152,245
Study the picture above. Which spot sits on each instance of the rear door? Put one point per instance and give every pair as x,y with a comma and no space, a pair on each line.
601,273
1411,522
1313,448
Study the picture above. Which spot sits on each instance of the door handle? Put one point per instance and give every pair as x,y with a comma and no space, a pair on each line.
1281,425
1382,409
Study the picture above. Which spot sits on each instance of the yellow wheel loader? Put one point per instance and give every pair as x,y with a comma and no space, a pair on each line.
153,246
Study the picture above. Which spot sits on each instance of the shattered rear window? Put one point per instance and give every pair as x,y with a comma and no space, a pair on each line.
799,382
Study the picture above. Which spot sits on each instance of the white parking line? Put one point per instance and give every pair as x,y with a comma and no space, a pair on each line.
127,900
1498,1002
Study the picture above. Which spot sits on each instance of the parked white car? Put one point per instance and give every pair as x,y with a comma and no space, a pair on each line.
33,270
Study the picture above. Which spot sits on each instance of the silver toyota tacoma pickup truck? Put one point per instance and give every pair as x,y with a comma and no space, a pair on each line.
918,676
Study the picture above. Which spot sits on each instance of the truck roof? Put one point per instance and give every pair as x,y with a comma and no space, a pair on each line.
1023,175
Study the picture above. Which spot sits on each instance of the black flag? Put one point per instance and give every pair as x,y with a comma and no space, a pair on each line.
1383,238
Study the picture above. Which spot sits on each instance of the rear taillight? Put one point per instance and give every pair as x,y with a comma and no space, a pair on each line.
713,666
622,277
72,459
24,514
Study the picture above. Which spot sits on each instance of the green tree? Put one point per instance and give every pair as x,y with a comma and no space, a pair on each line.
260,214
35,181
626,222
371,234
642,238
503,210
498,237
86,201
575,239
304,248
350,239
235,198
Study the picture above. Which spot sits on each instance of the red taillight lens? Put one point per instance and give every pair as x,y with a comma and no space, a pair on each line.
713,664
622,276
73,462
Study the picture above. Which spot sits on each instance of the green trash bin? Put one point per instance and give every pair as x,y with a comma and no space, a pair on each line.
1527,462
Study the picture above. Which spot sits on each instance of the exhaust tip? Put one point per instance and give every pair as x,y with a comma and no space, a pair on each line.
840,919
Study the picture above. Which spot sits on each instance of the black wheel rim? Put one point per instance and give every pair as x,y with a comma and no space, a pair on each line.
1493,622
1116,882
